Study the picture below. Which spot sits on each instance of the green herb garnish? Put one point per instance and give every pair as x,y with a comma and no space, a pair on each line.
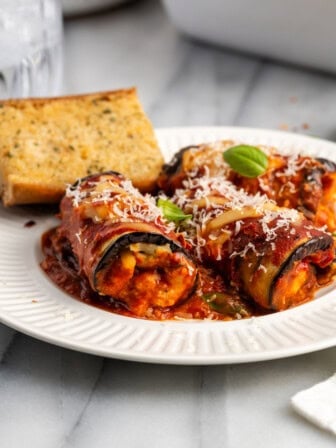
171,211
225,304
249,161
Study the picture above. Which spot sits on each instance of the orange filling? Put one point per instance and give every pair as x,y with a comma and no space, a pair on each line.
295,286
148,276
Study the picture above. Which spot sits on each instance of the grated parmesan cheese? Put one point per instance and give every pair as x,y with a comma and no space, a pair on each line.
122,200
272,219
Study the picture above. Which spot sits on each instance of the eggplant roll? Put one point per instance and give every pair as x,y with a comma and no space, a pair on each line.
293,181
270,254
123,245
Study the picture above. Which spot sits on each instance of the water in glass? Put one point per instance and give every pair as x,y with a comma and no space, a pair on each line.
30,48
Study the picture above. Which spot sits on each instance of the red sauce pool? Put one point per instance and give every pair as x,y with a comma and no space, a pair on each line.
62,269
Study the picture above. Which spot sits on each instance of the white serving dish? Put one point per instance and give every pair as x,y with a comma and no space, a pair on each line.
298,31
32,304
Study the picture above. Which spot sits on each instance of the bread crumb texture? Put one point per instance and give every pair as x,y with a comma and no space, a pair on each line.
48,143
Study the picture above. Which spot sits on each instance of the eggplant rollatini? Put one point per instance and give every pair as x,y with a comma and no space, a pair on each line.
122,244
270,254
294,181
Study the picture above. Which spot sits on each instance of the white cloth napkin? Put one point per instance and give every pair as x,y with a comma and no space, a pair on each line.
318,404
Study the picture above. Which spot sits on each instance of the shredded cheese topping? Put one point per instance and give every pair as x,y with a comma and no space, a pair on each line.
272,219
122,202
209,156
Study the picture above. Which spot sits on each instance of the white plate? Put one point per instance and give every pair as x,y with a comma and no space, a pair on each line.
29,302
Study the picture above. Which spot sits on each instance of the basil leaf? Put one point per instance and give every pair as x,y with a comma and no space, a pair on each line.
249,161
171,211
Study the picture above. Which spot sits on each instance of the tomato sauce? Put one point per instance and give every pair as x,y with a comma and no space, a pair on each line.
62,268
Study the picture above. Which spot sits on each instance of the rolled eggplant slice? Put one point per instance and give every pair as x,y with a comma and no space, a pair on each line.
278,283
144,270
305,183
123,245
194,161
270,254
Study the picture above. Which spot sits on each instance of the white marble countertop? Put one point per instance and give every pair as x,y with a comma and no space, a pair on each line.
53,397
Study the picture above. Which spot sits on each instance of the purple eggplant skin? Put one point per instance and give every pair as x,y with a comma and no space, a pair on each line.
95,176
126,240
310,247
175,165
327,164
307,248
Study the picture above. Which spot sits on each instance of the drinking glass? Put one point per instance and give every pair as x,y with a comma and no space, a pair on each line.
30,48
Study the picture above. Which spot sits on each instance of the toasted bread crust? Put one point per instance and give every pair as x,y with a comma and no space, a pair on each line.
47,143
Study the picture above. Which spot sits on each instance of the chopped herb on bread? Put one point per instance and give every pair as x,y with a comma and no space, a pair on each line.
47,143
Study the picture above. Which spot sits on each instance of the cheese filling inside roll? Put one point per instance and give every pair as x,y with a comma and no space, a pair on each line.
271,254
304,183
123,245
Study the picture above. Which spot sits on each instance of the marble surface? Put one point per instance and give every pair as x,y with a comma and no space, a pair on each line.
56,398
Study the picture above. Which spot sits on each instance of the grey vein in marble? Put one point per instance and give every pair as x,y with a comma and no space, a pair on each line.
56,398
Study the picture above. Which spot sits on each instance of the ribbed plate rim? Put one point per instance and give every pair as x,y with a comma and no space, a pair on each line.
302,330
